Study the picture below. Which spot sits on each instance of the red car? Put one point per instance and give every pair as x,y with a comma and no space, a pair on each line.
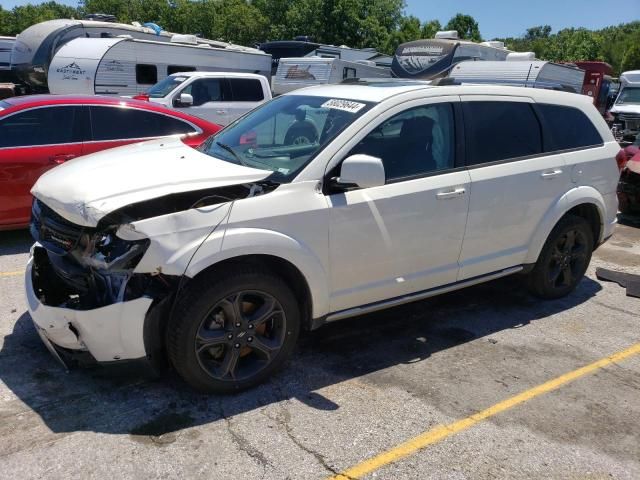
39,132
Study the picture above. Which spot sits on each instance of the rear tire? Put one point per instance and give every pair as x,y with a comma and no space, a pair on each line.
563,260
232,330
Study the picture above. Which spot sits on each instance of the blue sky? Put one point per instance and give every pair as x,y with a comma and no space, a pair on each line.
502,18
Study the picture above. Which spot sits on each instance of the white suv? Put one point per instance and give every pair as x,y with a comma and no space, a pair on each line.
322,204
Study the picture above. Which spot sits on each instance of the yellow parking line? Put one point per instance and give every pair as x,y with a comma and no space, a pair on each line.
443,431
11,274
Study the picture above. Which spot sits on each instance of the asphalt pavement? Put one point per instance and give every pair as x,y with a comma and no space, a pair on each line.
487,382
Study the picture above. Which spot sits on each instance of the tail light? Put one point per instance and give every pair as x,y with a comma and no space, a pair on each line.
141,96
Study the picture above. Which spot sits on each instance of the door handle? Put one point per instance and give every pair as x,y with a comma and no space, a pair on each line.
60,158
450,193
551,173
221,112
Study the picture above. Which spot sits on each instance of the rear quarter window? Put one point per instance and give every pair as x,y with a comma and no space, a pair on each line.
568,128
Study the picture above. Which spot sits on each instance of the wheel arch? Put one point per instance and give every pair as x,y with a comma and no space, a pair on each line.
585,202
297,263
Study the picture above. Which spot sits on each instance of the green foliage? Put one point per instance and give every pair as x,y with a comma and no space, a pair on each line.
466,26
14,21
572,44
358,23
631,59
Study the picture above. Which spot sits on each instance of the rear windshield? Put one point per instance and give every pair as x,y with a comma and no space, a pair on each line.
166,86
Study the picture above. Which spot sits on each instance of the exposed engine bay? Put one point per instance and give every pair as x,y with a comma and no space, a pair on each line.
84,268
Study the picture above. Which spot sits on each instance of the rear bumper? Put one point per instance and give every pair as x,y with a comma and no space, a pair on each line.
110,333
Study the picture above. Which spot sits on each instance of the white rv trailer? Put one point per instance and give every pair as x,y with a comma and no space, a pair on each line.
294,73
35,46
523,73
127,66
303,47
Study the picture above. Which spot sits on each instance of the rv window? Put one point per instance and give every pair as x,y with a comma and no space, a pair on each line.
246,90
500,131
115,123
171,69
348,72
205,90
146,74
39,126
415,142
568,128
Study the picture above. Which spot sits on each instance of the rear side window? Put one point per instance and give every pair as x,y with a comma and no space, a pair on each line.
146,74
498,131
568,128
246,90
40,126
116,123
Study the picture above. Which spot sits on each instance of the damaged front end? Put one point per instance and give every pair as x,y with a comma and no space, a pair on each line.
86,268
103,293
84,297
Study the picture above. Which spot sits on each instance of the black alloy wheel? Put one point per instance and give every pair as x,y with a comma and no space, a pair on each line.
232,329
241,335
568,260
564,259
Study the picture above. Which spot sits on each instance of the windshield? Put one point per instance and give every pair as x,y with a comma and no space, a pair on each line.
284,134
629,95
166,86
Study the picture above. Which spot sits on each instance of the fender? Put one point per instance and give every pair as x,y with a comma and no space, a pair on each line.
573,198
239,242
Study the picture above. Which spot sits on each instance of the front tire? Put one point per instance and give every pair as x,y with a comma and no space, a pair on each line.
232,330
563,260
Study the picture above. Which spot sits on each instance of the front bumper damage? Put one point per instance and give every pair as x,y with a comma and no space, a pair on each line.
86,302
110,333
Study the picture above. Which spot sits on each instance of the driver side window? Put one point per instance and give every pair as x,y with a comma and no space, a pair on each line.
416,142
205,90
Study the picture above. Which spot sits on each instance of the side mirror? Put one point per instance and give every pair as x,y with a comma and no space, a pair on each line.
363,171
185,100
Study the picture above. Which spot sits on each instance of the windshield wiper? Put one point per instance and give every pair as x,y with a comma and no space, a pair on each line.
231,151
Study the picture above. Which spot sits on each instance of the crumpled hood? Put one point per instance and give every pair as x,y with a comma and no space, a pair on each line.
86,189
628,108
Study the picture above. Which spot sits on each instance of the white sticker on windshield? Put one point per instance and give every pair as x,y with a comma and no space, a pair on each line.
180,79
284,171
346,105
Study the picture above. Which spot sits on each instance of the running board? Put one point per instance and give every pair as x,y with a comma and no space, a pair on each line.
374,307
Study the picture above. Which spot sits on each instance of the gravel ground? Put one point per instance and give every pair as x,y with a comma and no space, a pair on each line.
354,389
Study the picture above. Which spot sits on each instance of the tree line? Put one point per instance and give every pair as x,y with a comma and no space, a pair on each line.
380,24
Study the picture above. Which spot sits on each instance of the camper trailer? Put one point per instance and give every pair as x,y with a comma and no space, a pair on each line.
303,47
433,58
626,109
36,46
127,66
6,44
521,73
294,73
